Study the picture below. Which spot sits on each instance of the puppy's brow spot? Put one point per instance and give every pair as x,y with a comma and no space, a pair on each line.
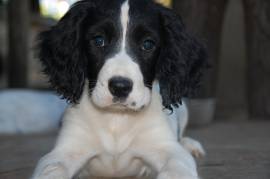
133,104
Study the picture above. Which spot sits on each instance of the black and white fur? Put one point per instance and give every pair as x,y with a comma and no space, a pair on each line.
134,129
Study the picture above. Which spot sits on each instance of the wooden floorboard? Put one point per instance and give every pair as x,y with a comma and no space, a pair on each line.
235,150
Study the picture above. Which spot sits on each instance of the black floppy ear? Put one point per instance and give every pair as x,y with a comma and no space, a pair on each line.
181,61
60,53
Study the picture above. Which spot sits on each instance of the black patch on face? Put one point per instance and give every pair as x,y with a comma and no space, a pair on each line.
144,25
178,58
67,52
104,22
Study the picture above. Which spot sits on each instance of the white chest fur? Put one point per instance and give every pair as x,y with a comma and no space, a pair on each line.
115,157
117,137
116,144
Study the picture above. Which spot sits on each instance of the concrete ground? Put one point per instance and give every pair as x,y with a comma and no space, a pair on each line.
235,150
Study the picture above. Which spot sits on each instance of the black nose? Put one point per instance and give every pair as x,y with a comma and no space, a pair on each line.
120,87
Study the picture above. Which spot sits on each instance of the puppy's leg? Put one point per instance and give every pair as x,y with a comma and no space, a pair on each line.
67,158
193,146
171,161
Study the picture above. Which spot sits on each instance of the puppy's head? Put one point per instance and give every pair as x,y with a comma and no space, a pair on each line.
120,48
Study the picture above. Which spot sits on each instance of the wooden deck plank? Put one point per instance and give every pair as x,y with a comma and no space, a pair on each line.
235,150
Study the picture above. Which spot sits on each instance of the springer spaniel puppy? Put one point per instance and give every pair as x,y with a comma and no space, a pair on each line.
124,66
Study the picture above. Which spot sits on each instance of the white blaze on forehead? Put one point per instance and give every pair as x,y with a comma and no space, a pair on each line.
124,21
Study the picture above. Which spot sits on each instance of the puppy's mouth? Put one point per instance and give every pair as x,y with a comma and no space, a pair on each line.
121,104
117,100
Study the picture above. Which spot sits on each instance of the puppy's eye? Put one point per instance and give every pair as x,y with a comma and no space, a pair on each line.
99,41
148,45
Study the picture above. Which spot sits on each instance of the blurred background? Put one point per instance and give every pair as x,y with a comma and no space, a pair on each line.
232,108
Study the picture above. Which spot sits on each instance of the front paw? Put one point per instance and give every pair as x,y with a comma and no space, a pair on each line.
52,171
172,175
194,147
